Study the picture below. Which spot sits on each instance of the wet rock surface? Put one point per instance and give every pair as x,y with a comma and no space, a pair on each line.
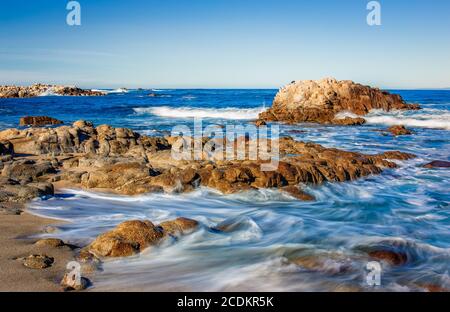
320,101
124,162
132,237
399,130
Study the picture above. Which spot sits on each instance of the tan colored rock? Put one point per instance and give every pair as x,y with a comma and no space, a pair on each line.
178,226
260,123
399,130
294,191
50,242
330,264
38,262
127,239
132,237
70,283
320,101
38,121
349,121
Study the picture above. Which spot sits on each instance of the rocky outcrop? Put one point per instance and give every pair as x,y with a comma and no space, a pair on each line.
41,89
320,101
399,130
82,137
39,121
122,161
131,237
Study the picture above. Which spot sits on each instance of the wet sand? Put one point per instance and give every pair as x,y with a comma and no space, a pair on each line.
15,229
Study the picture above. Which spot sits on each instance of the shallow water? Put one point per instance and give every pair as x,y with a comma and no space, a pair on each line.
408,207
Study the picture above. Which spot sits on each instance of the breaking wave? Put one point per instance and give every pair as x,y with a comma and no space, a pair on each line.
224,113
49,92
425,118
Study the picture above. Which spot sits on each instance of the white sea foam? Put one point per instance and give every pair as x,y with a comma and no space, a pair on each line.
345,114
49,92
425,118
223,113
119,90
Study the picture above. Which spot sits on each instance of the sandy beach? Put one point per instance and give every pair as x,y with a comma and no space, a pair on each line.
16,228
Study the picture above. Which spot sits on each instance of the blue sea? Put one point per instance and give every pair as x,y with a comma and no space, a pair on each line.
407,209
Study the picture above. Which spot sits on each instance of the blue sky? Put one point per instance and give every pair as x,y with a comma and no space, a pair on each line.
224,43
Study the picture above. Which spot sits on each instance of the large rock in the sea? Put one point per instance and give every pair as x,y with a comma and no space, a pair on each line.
321,101
38,121
42,89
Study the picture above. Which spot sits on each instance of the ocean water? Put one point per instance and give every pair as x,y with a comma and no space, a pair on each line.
406,209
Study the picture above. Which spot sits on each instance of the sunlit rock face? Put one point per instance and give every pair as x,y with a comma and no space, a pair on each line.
320,101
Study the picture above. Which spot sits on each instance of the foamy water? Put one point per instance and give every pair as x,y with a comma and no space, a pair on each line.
425,118
270,230
190,112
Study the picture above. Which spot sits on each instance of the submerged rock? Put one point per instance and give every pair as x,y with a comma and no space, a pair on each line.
349,121
332,264
178,226
395,258
399,130
38,121
438,164
294,191
320,101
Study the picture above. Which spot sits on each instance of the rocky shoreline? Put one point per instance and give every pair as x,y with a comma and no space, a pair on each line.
40,89
122,161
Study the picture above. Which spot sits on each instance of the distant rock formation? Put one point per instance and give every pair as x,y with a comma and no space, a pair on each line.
42,89
320,101
38,121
